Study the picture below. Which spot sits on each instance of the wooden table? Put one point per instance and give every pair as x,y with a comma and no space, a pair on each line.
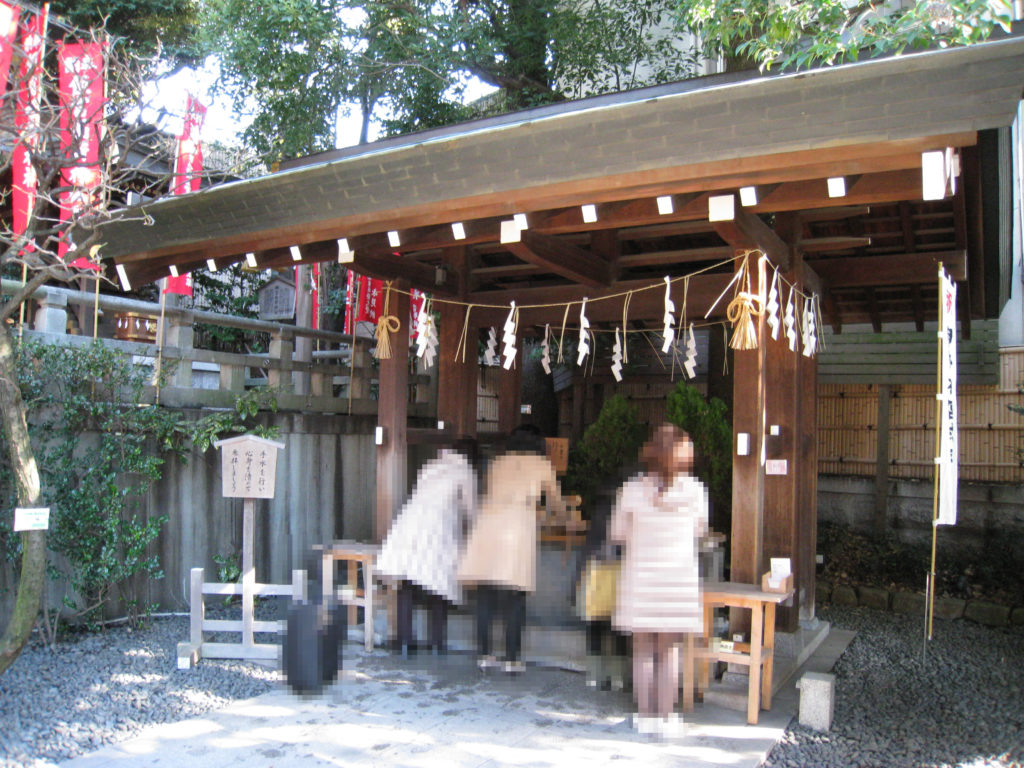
354,553
758,654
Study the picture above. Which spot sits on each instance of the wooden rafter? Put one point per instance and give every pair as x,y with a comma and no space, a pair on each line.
566,260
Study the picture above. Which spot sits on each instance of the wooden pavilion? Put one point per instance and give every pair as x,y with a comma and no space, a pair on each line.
869,252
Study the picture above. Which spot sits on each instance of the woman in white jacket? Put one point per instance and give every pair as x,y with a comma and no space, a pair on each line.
422,550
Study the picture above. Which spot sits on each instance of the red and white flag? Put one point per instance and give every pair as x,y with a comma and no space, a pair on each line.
82,100
26,120
8,39
188,169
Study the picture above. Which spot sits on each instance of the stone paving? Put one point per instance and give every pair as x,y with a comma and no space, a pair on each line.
384,711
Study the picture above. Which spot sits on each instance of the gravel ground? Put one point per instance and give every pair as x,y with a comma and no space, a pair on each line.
101,688
961,706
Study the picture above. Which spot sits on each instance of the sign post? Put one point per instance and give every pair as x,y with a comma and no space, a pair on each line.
248,472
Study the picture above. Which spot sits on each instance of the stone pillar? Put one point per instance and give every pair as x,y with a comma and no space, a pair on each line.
52,314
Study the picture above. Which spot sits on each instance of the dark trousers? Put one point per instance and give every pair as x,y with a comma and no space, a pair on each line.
510,604
597,631
410,594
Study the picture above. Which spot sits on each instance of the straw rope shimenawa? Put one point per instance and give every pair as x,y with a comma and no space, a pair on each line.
746,305
386,325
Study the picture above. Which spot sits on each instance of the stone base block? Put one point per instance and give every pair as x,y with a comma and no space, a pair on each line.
908,602
949,607
817,700
845,596
989,614
873,597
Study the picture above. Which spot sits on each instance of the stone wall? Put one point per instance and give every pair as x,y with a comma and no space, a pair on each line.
985,512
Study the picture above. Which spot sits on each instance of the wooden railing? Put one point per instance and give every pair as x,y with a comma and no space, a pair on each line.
338,377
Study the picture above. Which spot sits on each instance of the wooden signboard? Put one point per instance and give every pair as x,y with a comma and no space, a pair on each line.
248,467
277,300
558,452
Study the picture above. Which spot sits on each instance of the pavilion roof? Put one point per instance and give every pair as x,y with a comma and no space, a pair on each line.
871,253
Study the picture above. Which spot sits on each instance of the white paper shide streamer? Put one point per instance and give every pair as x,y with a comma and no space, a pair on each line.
773,306
669,331
690,364
545,357
508,338
617,356
810,328
789,320
426,335
491,351
584,345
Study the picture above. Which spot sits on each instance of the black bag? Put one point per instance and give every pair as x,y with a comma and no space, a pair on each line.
312,645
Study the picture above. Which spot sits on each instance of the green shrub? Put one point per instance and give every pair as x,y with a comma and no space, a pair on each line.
710,427
612,442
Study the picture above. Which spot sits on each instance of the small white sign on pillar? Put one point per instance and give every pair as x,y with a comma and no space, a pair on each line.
31,518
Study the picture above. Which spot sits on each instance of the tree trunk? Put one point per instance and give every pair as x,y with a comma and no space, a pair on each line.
33,543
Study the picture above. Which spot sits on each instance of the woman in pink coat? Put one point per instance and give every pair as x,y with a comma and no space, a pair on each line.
659,517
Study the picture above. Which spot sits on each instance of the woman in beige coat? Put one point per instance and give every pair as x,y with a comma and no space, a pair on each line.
659,517
500,558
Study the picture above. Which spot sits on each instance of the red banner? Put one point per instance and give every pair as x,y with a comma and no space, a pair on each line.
8,38
351,281
188,166
26,120
82,98
188,169
364,301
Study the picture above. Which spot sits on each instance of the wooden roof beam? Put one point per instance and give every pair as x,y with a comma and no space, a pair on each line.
570,262
906,269
746,231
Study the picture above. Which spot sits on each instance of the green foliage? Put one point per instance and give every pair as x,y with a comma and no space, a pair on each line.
407,64
144,25
608,445
816,32
709,426
99,452
229,291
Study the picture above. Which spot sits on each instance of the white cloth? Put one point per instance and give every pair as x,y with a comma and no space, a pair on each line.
426,539
659,588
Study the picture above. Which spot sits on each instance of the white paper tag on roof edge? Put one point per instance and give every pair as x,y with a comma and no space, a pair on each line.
31,518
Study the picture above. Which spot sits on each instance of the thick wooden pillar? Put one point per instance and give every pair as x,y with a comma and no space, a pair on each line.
457,377
783,401
746,563
807,485
392,413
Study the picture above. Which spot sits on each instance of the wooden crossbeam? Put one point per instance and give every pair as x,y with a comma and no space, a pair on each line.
563,259
747,231
905,269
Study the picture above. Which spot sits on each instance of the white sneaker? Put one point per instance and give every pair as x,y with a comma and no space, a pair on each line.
671,727
486,662
513,667
645,724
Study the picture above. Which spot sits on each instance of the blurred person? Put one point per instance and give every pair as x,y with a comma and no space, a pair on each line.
422,549
659,517
595,586
500,559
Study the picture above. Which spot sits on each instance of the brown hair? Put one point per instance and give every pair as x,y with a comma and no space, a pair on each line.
657,451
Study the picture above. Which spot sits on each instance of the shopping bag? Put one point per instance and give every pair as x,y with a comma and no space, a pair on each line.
600,586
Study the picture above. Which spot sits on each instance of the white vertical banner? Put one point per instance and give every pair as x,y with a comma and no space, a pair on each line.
949,448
